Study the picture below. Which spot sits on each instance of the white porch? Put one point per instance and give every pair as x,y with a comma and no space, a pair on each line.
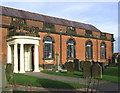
20,53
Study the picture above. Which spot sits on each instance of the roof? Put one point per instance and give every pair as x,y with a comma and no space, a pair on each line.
35,16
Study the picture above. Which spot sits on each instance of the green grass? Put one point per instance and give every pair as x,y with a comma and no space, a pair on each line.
22,79
109,74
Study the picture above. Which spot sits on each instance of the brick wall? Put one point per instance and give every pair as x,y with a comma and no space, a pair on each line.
109,36
80,31
58,27
6,20
80,42
96,34
35,24
4,45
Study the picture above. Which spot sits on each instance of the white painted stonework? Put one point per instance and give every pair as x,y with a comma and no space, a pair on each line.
24,43
49,61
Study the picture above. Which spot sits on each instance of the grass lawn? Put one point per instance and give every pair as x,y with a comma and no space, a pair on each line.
109,74
42,82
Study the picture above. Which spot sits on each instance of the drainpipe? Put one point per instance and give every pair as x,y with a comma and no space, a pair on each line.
60,49
97,48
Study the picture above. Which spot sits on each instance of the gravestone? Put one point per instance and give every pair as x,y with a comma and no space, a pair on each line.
76,65
3,81
81,65
65,65
87,69
70,67
96,71
57,67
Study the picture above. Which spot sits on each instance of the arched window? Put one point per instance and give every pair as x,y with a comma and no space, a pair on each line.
48,47
70,48
103,50
89,50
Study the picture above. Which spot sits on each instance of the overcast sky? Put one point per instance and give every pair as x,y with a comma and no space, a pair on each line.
103,15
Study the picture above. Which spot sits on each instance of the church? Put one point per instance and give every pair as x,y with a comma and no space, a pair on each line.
30,41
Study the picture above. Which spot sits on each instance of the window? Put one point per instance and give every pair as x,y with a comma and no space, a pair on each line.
48,47
70,48
89,51
103,50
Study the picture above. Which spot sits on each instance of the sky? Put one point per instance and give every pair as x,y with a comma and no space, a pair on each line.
103,15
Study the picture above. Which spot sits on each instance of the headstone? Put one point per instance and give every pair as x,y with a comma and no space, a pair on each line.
96,71
3,81
76,65
70,68
66,65
57,67
87,69
57,59
81,65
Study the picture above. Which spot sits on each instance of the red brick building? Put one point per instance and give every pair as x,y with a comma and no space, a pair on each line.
30,40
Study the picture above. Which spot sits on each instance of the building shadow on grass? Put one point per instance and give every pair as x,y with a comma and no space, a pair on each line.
80,75
45,83
52,86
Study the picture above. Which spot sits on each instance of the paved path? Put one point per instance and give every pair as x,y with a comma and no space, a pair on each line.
103,85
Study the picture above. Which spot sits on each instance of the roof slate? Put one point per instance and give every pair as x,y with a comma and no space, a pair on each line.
35,16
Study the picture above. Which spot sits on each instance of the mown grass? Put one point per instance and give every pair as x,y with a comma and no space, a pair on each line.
109,74
21,79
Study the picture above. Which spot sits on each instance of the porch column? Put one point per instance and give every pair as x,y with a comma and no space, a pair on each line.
15,59
26,57
22,70
36,64
8,53
30,59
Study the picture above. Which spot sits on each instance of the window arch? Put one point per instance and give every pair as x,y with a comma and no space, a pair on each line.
103,50
48,47
70,48
89,50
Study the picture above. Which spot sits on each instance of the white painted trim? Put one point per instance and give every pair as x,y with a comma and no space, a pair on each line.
36,60
22,66
15,58
24,37
23,40
9,54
